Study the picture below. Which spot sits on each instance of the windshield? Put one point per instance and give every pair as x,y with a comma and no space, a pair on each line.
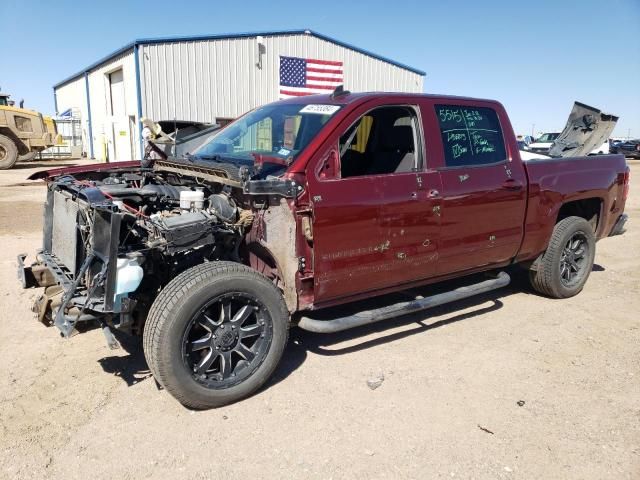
273,134
3,101
547,137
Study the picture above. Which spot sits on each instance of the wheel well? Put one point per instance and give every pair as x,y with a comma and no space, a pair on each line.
587,208
259,258
7,132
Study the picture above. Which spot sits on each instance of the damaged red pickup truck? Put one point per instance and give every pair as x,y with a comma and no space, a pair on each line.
212,255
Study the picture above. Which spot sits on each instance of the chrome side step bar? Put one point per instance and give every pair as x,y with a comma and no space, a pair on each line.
402,308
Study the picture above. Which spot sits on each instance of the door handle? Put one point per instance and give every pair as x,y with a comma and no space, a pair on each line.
512,184
433,193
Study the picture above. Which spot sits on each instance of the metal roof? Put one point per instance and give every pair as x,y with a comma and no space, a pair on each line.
229,36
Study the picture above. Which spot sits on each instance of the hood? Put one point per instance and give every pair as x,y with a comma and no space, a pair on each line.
586,129
94,167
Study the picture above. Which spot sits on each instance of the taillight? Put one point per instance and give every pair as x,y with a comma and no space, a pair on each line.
625,189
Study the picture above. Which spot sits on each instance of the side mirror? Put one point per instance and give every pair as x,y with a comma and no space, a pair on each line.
329,165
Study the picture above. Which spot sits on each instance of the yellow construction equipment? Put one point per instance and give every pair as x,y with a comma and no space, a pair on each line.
23,133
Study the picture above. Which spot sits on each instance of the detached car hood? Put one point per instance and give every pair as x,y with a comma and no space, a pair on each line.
93,167
586,129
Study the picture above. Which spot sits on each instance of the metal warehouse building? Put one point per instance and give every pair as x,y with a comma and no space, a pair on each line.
205,79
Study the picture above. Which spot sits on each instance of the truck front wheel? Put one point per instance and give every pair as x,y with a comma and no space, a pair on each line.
8,153
215,334
27,157
563,269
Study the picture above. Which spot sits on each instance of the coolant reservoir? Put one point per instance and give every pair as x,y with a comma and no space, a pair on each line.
128,276
192,199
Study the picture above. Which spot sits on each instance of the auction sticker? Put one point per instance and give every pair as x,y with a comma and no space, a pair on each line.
320,109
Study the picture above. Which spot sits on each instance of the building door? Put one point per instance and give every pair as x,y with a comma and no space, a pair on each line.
120,129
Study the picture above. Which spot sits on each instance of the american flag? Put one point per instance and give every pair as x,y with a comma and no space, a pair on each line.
306,76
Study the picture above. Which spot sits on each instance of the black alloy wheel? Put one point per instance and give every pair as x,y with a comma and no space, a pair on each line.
564,267
215,334
227,340
574,259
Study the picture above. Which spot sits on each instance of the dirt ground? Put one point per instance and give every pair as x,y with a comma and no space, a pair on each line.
509,385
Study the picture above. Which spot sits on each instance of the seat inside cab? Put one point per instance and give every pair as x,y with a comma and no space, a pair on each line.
383,141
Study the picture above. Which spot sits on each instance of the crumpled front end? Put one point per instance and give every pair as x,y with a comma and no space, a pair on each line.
79,265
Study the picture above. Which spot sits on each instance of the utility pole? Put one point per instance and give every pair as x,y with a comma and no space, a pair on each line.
533,127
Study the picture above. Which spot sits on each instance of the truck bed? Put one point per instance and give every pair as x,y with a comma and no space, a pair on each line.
554,182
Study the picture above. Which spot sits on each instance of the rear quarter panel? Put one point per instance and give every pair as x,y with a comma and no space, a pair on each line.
557,181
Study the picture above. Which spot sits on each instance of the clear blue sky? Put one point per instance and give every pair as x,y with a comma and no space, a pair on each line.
534,57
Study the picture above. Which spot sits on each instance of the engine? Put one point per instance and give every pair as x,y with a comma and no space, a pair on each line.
114,240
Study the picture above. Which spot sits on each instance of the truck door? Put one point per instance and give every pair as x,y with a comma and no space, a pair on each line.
483,191
373,227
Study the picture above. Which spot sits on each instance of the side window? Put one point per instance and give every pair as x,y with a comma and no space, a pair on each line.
470,135
383,141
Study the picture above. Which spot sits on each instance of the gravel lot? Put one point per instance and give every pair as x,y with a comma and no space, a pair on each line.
509,385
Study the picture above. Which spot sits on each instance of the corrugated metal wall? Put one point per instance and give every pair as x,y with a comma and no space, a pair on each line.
202,80
207,79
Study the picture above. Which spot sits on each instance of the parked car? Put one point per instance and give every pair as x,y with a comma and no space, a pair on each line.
543,143
603,149
628,148
306,204
524,141
526,155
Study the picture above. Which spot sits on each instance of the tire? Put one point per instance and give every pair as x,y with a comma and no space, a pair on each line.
185,328
558,273
8,153
27,157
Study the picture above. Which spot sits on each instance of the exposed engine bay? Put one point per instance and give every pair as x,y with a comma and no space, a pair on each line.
113,239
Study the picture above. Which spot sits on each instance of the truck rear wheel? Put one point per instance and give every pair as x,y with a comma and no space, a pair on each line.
8,153
215,334
564,267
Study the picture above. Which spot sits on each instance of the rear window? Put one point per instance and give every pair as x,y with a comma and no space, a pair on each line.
470,135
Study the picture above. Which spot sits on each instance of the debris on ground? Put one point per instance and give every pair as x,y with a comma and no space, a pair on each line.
376,381
485,429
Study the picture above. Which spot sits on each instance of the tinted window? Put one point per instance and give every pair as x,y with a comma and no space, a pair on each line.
470,135
381,142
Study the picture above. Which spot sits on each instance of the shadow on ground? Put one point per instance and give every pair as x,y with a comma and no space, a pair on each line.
132,368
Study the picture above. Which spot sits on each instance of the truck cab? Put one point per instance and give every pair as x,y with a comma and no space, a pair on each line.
410,188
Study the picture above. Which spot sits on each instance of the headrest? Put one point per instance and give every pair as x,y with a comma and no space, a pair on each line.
399,138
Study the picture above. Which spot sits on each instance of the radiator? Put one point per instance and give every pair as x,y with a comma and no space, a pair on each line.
64,233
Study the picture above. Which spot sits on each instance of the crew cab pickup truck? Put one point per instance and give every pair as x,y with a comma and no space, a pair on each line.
305,204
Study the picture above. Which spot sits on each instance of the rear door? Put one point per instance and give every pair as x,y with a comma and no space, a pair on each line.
483,190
